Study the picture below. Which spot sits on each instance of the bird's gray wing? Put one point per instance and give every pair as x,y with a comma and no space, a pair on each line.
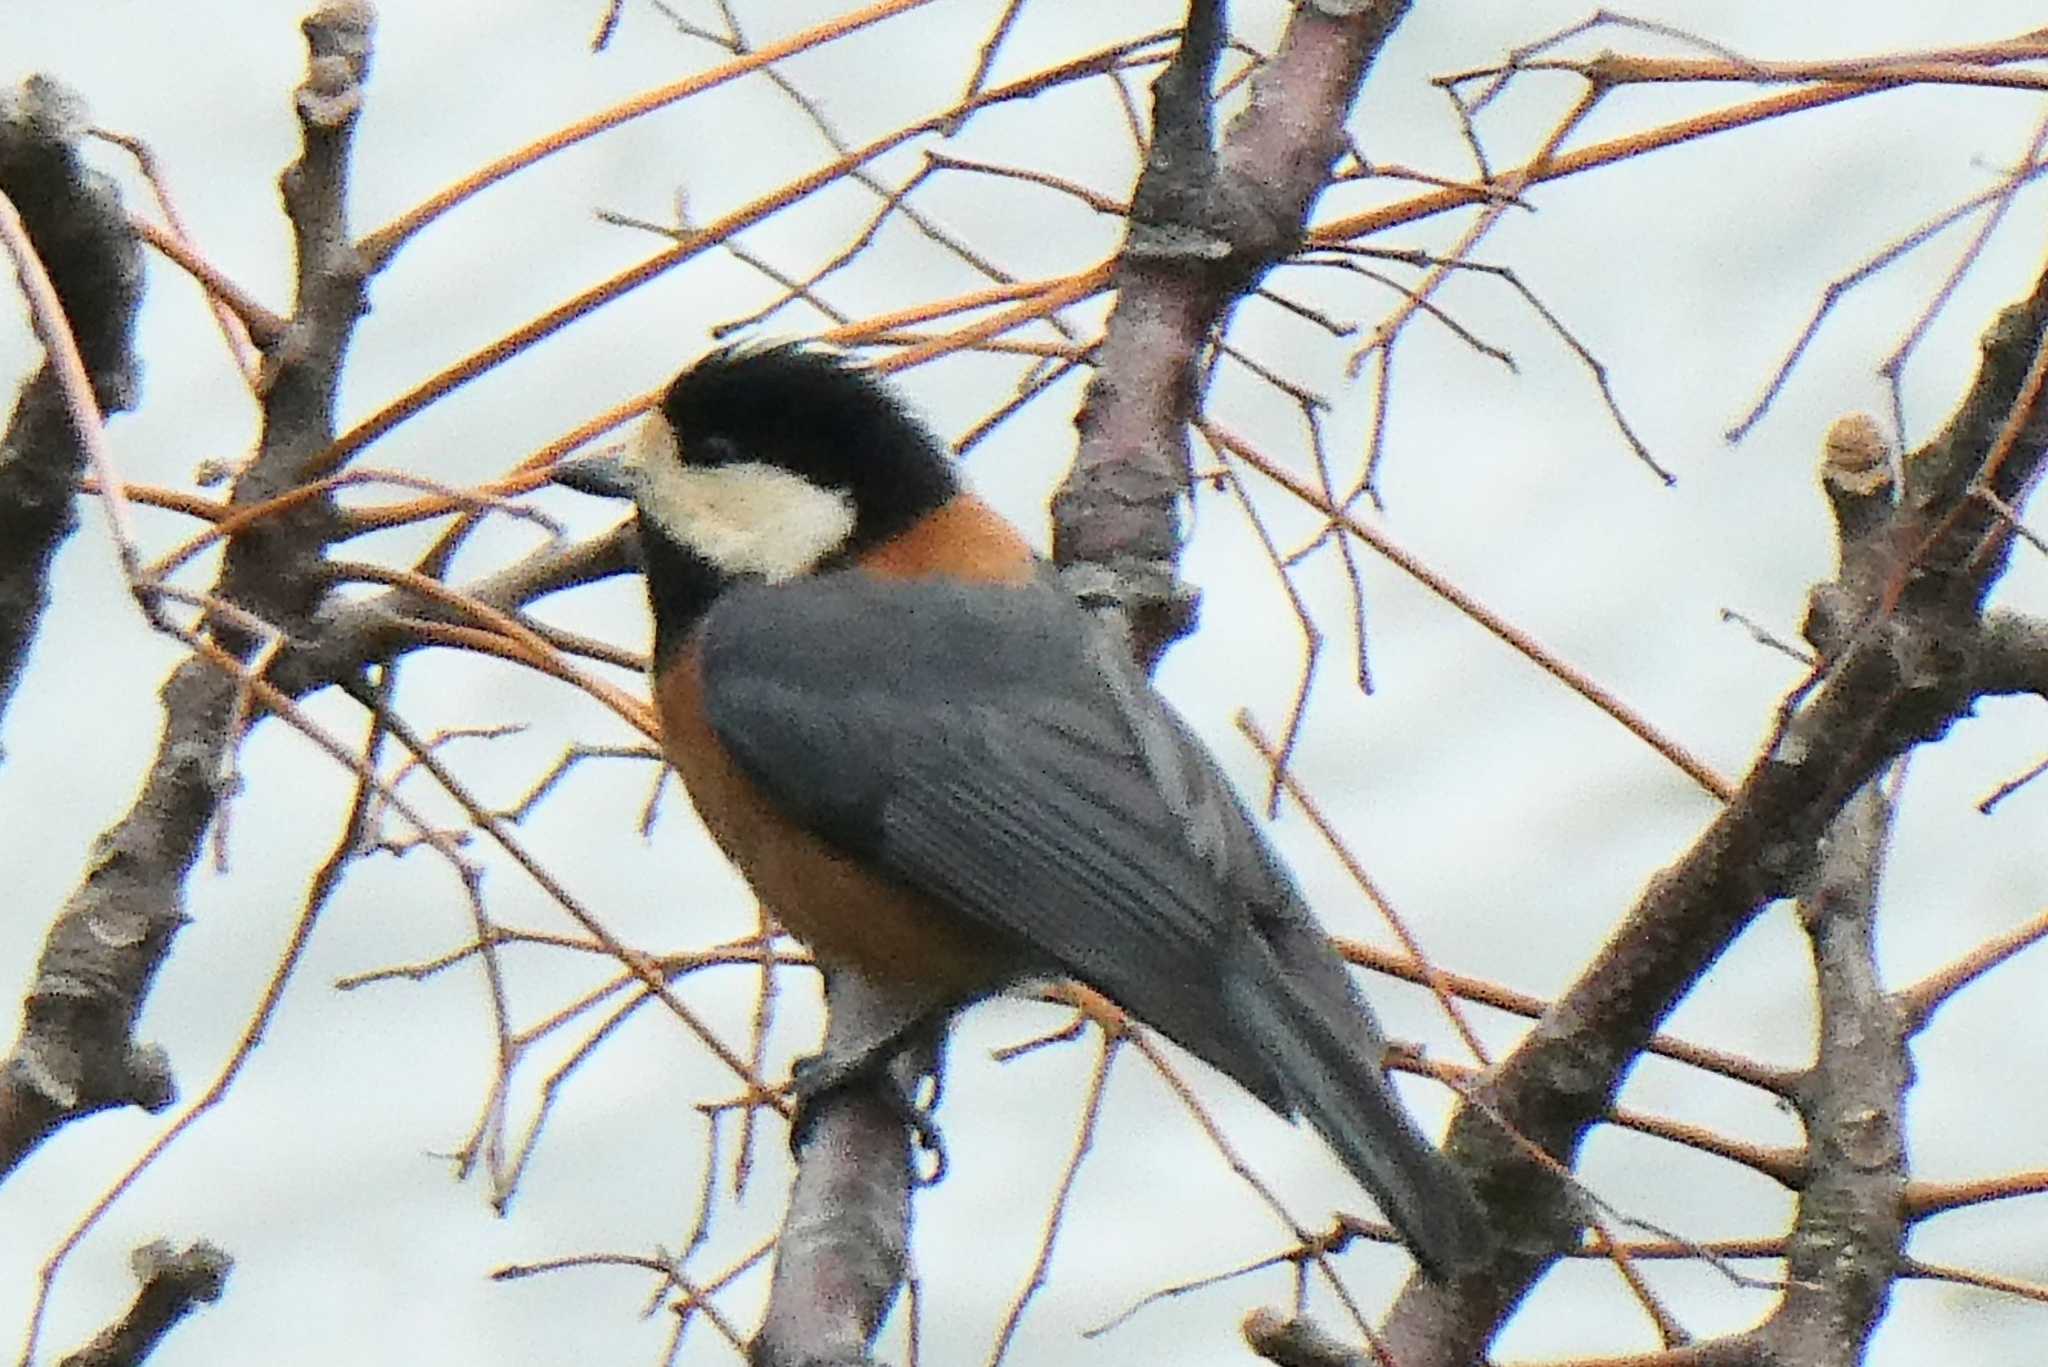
988,749
991,750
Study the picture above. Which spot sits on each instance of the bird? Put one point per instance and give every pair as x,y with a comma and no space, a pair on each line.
942,774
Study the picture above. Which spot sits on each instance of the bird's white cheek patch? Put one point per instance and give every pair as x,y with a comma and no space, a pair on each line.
748,517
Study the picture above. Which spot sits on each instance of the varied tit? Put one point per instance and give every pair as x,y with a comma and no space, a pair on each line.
939,773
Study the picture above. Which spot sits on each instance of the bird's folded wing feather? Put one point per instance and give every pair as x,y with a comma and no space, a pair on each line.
988,749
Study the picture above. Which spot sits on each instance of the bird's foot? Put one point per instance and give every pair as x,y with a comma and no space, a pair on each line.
815,1080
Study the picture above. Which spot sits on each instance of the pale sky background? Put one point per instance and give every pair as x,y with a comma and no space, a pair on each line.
1509,820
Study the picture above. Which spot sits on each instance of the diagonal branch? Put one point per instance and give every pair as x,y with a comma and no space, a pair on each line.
1900,631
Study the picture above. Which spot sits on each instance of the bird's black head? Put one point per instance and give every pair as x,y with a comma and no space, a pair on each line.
771,462
767,463
810,413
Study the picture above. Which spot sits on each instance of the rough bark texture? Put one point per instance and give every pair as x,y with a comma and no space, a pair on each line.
1906,644
174,1284
74,218
1208,219
1850,1230
844,1248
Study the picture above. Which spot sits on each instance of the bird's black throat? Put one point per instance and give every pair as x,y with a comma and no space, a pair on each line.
681,587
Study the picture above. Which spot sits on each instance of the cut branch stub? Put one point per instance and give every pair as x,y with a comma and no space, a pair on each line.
174,1284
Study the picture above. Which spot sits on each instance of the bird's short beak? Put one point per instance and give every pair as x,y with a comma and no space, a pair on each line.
602,474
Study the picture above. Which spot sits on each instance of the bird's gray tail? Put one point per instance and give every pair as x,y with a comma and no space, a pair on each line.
1293,998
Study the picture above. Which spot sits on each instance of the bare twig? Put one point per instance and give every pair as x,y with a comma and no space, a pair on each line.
1998,197
1513,636
1084,1142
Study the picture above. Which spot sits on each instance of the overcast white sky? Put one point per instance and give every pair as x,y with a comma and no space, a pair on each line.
1509,820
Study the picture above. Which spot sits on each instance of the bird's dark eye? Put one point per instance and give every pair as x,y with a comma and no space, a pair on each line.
715,451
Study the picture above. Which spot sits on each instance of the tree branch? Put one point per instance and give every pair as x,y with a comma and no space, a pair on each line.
1297,1343
2015,654
75,220
1207,221
1901,637
1848,1237
76,1054
1849,1233
173,1286
845,1242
